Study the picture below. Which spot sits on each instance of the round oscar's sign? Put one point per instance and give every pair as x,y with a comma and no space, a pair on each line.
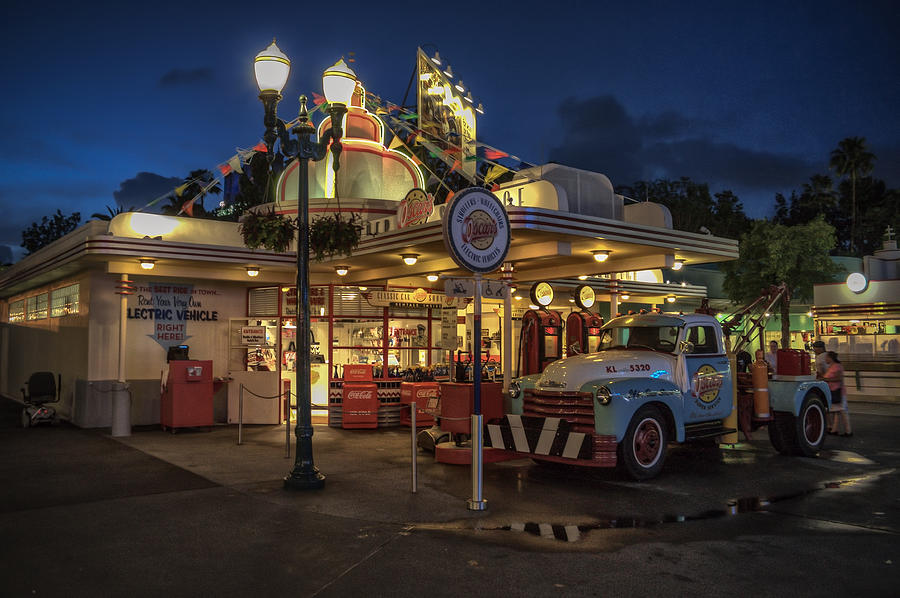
476,230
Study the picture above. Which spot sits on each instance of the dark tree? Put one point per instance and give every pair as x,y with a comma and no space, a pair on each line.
48,230
852,158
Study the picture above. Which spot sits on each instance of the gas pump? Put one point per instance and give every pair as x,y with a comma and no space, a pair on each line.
541,332
583,327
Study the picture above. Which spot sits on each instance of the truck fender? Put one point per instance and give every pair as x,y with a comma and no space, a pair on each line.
788,396
626,396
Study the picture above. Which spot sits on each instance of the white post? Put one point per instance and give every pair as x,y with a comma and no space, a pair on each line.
507,342
121,399
477,502
413,407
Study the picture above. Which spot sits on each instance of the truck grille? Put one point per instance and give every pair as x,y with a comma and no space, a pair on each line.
577,408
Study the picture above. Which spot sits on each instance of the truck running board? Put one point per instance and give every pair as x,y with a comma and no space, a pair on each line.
706,430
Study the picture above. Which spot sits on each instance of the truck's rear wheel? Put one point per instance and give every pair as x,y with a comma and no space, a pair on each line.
642,451
810,425
782,431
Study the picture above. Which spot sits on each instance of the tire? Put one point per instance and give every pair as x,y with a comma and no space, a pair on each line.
25,419
642,452
782,433
810,425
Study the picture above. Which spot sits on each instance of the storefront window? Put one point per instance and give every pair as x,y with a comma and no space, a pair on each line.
17,311
253,345
64,301
862,338
36,307
318,301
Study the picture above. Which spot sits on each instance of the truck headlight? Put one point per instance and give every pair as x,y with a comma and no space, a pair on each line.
514,389
603,395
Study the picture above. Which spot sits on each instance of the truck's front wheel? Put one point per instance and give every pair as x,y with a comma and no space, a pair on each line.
642,451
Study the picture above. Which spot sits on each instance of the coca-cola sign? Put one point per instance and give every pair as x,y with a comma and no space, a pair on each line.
359,395
415,208
476,230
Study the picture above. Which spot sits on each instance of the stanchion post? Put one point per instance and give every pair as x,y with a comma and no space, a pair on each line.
287,427
412,419
240,415
477,502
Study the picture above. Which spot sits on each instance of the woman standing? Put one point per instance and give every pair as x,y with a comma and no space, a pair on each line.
834,376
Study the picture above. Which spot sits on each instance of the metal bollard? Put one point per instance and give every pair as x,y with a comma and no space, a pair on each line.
477,502
412,418
240,414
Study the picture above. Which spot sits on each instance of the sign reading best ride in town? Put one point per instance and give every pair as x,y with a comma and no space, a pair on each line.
476,230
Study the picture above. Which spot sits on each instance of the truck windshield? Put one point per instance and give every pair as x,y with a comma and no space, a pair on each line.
653,338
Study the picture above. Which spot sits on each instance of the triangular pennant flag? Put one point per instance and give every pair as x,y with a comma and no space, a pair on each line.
224,168
495,172
494,154
450,195
261,147
188,207
180,189
494,187
317,99
409,116
235,165
456,165
395,142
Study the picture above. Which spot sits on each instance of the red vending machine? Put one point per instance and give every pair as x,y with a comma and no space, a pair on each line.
360,397
187,399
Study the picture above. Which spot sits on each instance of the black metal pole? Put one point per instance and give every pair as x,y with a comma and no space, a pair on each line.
305,475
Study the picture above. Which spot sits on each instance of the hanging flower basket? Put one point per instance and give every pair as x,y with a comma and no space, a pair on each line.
269,230
334,235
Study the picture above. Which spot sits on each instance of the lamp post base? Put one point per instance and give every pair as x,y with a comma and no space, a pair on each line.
305,480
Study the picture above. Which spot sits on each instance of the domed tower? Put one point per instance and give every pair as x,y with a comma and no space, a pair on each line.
372,178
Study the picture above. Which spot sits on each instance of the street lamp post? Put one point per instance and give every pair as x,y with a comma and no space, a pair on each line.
272,68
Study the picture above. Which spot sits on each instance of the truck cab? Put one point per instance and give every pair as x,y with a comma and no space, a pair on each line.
656,378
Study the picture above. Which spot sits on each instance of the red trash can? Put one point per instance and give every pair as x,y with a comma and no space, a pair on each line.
424,395
458,404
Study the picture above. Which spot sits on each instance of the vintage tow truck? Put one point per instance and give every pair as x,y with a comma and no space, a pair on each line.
656,378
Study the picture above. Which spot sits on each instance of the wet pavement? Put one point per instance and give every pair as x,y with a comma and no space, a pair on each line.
190,512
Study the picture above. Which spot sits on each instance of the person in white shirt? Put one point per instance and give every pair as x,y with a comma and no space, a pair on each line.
772,356
818,348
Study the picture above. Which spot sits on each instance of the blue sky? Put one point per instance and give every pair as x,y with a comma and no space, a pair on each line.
107,100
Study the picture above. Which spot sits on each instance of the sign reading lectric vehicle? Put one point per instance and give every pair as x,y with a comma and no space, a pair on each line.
476,230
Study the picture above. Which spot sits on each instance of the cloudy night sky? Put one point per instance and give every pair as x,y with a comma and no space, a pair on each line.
111,103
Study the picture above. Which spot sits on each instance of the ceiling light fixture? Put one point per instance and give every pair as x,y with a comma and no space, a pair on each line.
342,270
410,259
678,265
625,297
432,277
601,255
671,298
252,271
147,263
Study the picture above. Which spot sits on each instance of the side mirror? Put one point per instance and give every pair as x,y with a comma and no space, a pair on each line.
686,347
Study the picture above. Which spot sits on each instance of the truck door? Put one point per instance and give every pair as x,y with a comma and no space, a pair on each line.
708,376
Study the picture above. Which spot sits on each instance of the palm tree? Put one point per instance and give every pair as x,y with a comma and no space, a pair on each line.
197,182
112,213
852,158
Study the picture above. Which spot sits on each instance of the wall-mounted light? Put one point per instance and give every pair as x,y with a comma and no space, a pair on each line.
460,87
601,255
479,109
671,298
147,263
583,277
857,282
436,58
468,98
448,71
252,271
410,259
342,270
432,277
678,265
